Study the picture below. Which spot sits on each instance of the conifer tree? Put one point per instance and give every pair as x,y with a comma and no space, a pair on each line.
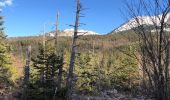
46,63
3,48
4,58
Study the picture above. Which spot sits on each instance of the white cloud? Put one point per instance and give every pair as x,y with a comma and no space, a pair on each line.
8,2
4,3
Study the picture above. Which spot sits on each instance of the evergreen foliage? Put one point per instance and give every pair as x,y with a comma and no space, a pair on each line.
5,68
97,68
45,67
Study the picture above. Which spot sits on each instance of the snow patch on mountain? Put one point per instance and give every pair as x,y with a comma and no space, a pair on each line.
70,32
143,20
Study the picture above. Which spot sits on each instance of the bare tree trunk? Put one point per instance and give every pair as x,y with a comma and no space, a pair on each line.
27,71
28,58
60,72
56,46
69,82
56,35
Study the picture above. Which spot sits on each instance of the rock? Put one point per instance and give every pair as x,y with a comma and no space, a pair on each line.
115,91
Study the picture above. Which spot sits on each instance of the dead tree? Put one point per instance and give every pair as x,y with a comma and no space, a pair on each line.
27,71
56,46
60,71
154,43
69,82
56,34
27,66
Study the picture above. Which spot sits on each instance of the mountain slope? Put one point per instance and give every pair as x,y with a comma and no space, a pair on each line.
143,20
70,32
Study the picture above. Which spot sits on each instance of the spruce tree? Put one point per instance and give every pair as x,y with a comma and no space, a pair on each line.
46,63
3,48
4,58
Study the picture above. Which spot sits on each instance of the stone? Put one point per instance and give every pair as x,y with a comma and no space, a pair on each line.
115,91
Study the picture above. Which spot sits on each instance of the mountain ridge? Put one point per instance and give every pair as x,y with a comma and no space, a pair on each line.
143,20
70,32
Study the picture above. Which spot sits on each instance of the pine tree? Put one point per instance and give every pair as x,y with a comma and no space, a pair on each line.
4,57
84,69
46,63
3,47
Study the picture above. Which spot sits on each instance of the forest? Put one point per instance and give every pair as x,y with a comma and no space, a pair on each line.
102,64
125,65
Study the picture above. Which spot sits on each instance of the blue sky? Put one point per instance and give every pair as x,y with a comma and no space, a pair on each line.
26,17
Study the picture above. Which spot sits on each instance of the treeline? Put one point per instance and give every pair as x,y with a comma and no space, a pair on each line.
86,43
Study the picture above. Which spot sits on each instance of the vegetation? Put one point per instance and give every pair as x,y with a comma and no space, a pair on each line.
7,72
103,58
154,46
134,62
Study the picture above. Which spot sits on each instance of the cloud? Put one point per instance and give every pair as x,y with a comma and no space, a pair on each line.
4,3
8,2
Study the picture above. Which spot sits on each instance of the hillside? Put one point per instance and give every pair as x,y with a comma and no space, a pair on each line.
148,21
89,43
110,51
85,42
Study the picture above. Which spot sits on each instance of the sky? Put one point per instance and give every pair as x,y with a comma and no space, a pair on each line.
29,17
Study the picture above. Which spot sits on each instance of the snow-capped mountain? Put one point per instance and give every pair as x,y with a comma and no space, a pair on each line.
70,32
143,20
